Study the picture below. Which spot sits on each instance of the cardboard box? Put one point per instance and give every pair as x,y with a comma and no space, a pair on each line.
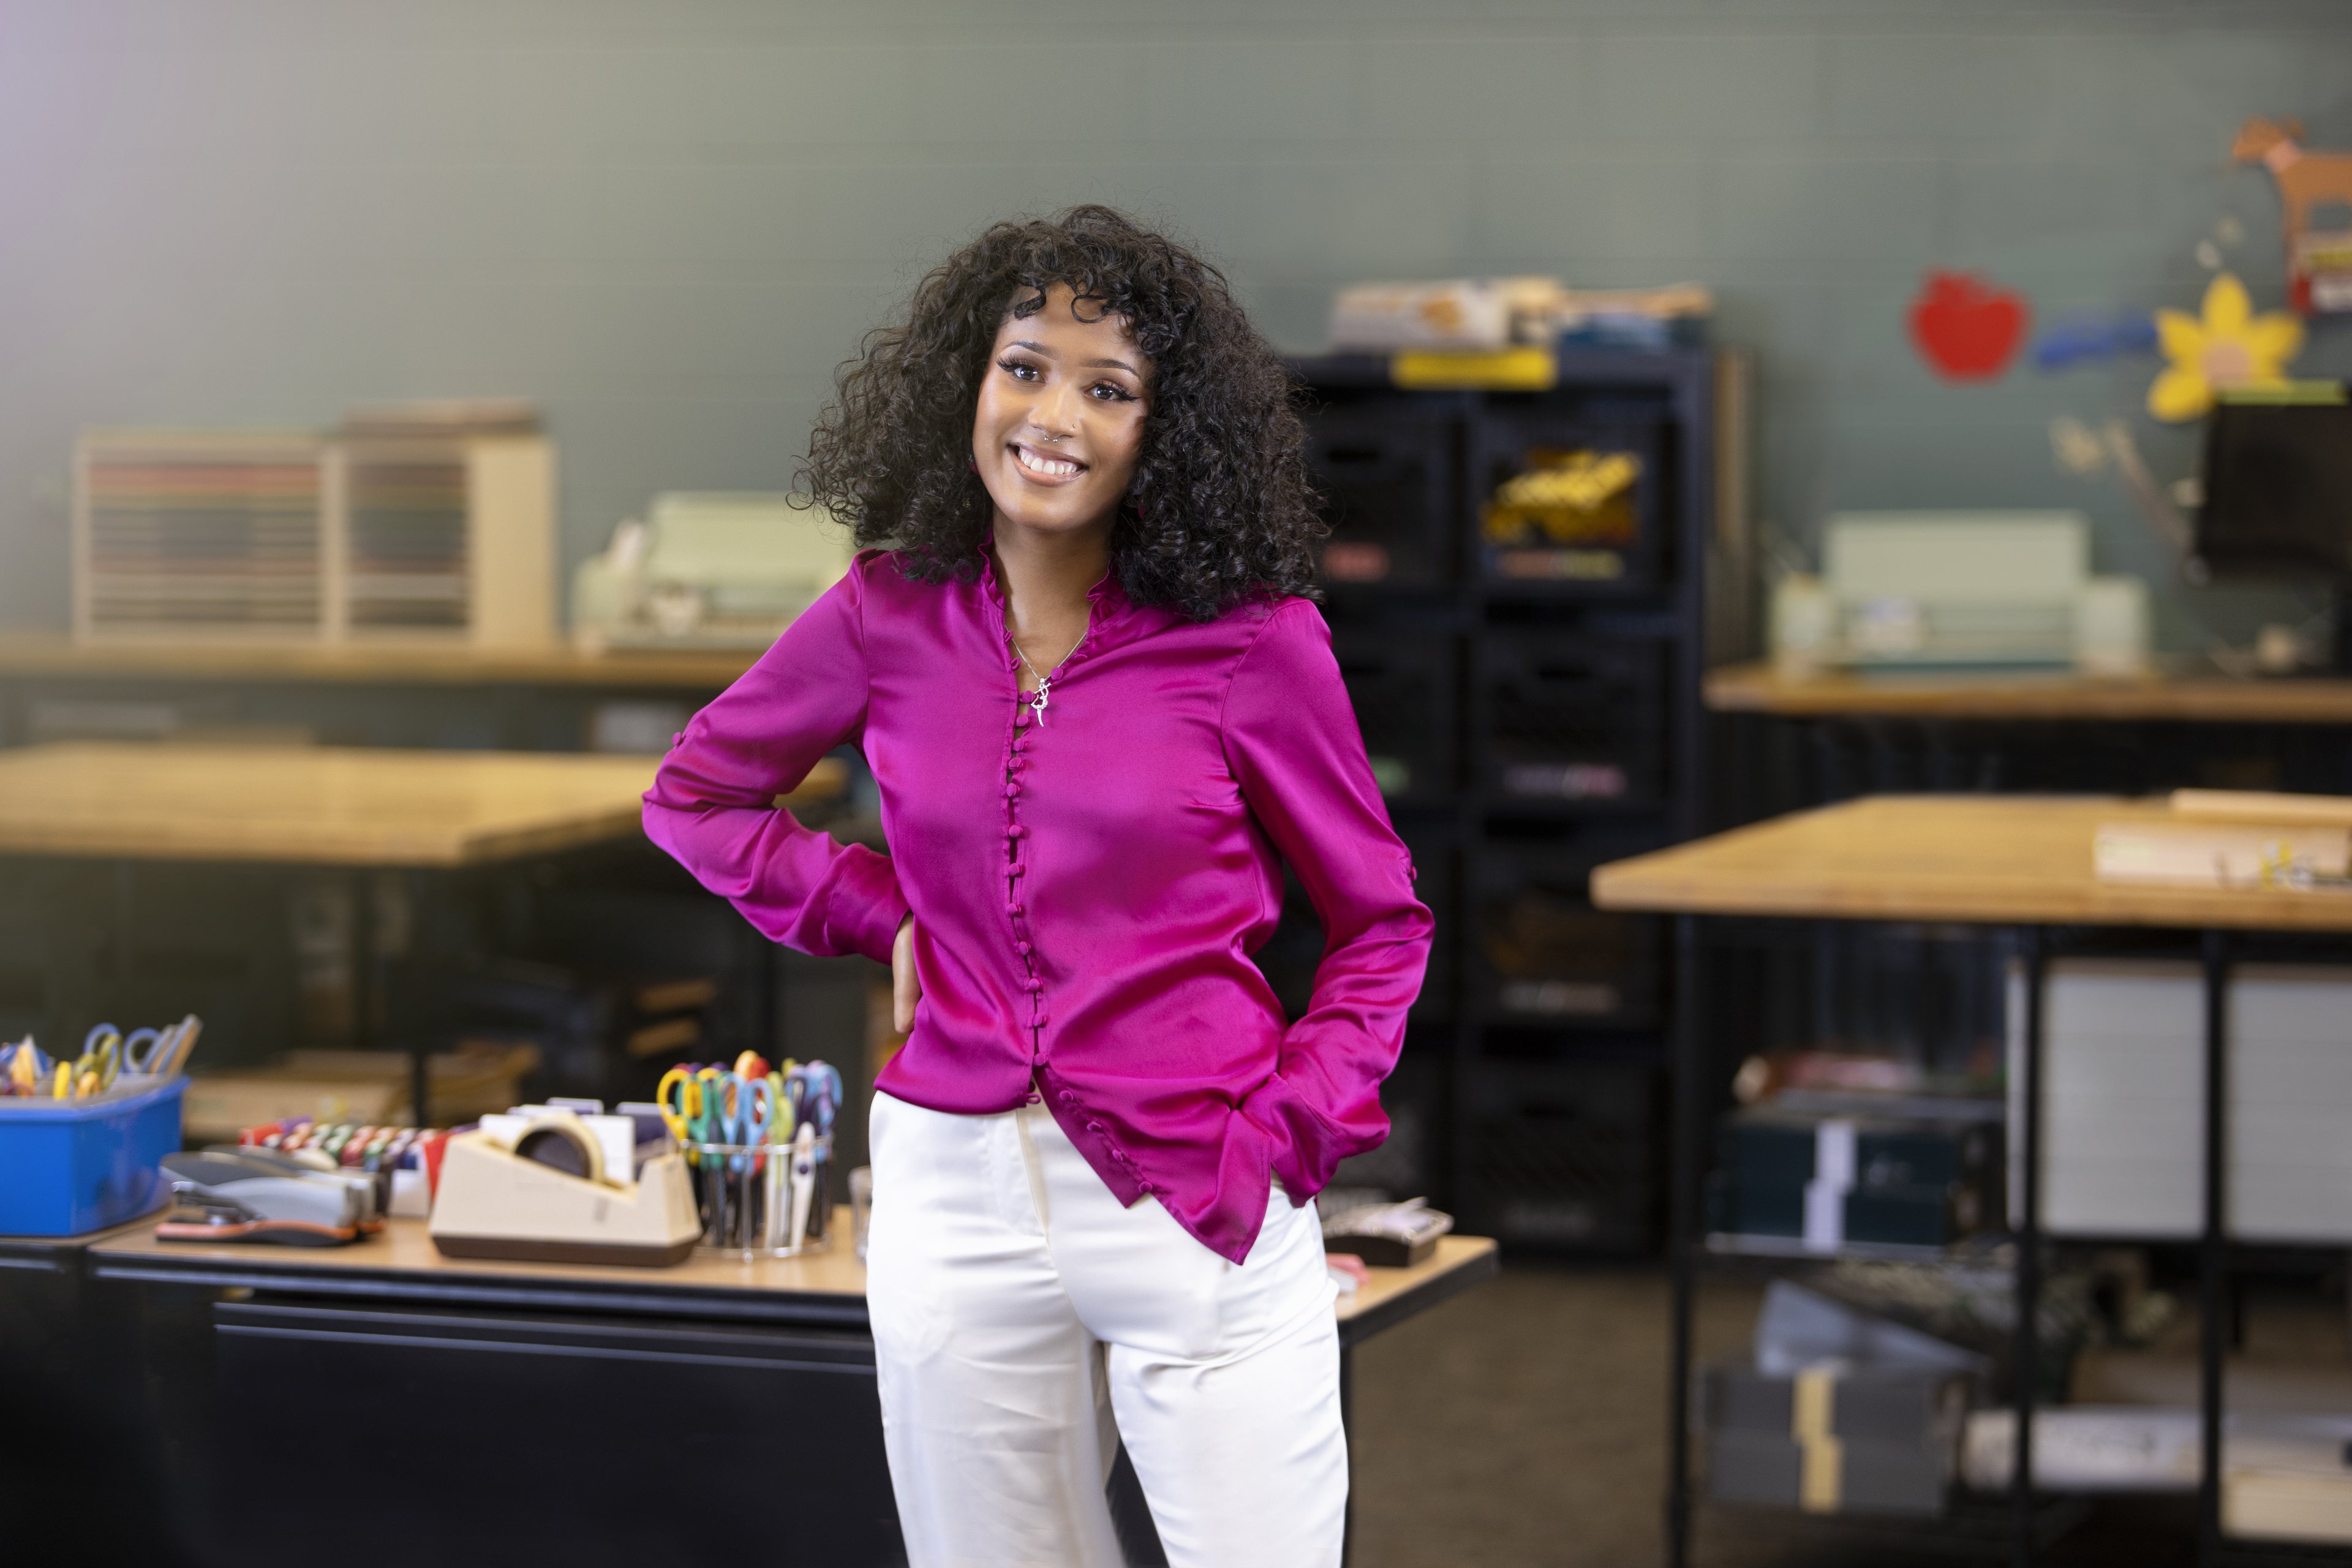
1828,1181
1833,1439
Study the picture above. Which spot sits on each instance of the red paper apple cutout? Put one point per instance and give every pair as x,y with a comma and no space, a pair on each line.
1965,328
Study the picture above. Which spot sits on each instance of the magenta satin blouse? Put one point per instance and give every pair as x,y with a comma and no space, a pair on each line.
1085,891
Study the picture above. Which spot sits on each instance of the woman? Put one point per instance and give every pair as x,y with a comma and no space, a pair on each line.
1102,712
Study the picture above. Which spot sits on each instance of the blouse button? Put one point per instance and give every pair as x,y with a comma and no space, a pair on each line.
1013,909
1016,870
1022,948
1142,1186
1068,1099
1016,831
1093,1126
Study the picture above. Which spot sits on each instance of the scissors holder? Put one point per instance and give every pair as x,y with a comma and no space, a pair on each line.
749,1193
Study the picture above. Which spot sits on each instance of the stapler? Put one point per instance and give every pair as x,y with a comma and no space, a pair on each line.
541,1192
230,1194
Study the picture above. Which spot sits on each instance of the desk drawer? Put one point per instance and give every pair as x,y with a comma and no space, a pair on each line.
549,1436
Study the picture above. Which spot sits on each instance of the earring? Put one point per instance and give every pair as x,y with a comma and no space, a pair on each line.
972,462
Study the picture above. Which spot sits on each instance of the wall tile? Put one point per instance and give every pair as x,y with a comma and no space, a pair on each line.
1693,84
1599,209
669,218
1835,212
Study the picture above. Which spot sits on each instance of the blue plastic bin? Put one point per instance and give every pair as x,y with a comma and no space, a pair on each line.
70,1166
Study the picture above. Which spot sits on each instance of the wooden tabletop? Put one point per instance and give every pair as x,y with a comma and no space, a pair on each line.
1391,1295
2010,859
313,806
2057,695
405,1252
405,1247
20,1247
386,664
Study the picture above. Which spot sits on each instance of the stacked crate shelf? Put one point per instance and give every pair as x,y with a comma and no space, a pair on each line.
1531,708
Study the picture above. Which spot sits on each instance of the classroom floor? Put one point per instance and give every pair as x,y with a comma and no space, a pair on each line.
1523,1426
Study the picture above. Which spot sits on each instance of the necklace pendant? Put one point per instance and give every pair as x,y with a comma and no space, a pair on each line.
1037,701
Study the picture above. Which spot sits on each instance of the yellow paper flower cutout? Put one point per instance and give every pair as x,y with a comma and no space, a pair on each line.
2229,347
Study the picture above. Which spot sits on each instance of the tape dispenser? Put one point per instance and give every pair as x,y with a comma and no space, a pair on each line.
543,1192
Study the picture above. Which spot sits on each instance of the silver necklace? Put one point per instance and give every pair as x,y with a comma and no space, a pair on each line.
1039,698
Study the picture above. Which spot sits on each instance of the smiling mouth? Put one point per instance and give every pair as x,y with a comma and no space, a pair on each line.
1045,467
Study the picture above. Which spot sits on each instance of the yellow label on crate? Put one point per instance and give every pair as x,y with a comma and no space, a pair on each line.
1493,370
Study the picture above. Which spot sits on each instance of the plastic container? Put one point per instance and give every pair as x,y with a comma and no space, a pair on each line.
70,1166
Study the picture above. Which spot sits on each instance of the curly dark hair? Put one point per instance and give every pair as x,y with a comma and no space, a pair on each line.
1220,510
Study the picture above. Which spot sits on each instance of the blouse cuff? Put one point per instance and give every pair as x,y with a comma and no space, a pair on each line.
864,906
1306,1149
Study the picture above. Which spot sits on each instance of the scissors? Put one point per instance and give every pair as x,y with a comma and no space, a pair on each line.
683,1118
824,1092
748,1107
786,1114
102,1059
157,1051
815,1089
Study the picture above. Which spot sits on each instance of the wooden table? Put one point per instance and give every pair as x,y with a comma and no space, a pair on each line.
1998,859
49,654
2007,860
313,806
2056,695
361,811
223,1334
553,698
404,1258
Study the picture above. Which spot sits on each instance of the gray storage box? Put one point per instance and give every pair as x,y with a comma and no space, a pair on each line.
1833,1439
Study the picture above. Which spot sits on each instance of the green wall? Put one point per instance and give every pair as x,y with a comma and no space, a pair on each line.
666,219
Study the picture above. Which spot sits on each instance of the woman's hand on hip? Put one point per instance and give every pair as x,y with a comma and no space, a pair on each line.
905,989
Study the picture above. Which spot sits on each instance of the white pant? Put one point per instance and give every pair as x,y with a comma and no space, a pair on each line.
1016,1307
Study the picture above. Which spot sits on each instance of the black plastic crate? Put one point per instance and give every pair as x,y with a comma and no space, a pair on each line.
1411,1162
1404,685
1574,720
1602,530
1545,955
1562,1156
1387,470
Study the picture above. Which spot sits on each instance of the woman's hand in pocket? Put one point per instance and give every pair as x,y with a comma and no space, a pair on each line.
905,989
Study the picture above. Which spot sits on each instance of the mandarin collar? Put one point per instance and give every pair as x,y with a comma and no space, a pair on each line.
1112,618
1106,597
